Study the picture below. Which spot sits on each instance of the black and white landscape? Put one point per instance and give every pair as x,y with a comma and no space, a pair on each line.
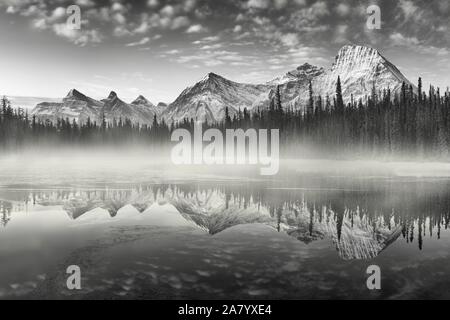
87,178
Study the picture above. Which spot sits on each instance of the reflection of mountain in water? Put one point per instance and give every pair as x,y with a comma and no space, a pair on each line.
355,235
358,232
215,211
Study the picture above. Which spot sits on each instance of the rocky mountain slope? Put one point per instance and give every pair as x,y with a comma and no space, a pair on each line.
79,107
359,67
208,99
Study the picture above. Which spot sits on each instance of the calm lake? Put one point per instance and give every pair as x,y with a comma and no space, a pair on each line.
140,230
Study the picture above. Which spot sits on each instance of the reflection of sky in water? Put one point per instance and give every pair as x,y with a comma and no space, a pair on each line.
297,236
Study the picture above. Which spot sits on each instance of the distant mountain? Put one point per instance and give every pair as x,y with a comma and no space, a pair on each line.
208,99
158,109
142,113
303,73
79,107
74,106
359,67
28,102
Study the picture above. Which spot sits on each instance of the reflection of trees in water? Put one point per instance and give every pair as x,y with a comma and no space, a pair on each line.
350,216
5,212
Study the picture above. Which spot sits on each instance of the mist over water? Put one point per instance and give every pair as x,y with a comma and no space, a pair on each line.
140,227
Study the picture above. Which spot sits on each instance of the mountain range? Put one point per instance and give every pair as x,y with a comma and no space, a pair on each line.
360,68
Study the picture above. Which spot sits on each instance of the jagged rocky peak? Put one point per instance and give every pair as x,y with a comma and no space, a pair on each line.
74,93
351,56
353,59
308,71
162,105
212,80
141,100
212,76
112,95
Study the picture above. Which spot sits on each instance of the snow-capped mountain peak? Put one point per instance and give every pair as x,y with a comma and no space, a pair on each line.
359,68
74,93
208,99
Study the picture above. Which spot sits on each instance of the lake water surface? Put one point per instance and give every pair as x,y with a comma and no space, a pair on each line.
143,231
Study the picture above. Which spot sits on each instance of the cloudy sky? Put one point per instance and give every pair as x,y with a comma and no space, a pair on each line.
159,47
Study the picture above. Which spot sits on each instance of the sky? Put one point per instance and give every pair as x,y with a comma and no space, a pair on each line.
157,48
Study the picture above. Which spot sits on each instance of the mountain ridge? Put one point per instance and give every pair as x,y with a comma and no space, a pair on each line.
359,67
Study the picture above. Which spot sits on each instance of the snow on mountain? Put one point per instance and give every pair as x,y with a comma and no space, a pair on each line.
74,106
359,67
142,101
208,99
79,107
303,73
294,86
114,108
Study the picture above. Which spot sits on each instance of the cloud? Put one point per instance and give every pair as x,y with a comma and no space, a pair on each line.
40,24
119,18
152,3
58,14
212,46
180,22
300,2
85,3
189,5
168,11
121,31
343,9
409,9
341,34
290,40
79,37
11,9
139,43
118,7
213,58
399,40
143,27
196,28
207,39
258,4
280,4
237,29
